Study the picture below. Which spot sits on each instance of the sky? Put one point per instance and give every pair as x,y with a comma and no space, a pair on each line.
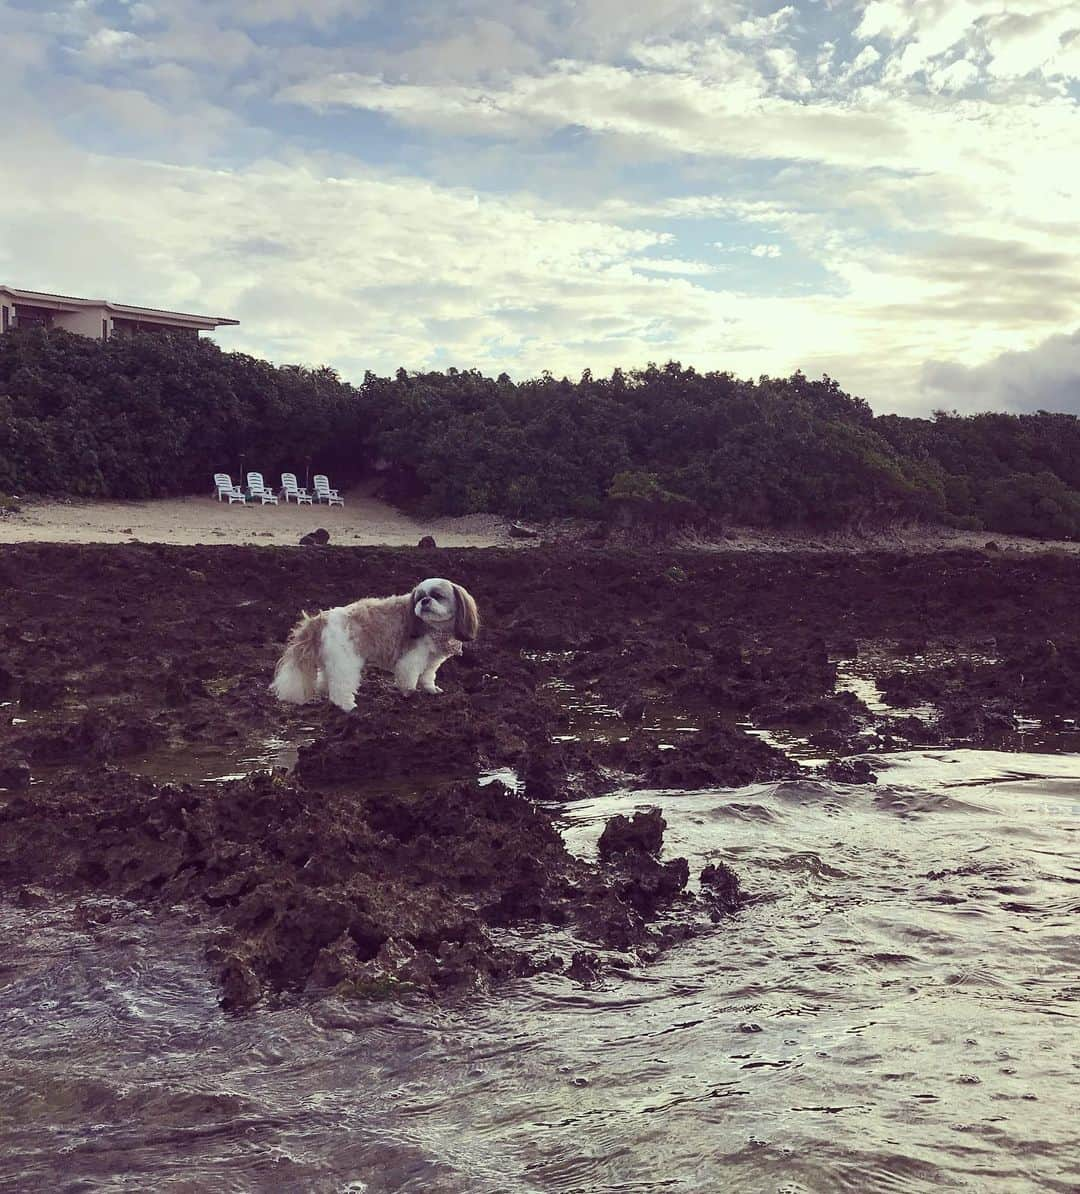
887,191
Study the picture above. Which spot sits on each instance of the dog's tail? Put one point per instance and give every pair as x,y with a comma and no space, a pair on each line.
297,672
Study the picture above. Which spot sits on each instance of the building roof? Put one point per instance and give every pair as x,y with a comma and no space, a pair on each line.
67,302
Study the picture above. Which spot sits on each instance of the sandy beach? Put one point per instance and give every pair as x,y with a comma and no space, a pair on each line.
362,521
366,521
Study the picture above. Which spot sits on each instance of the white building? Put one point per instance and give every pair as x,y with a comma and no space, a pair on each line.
97,318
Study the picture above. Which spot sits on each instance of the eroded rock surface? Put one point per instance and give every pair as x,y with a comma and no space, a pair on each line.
379,863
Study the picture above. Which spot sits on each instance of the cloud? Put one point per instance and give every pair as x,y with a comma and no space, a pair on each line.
673,265
523,289
683,111
542,184
1046,377
758,250
1024,37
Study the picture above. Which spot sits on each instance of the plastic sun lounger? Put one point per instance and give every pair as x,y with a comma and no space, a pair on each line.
324,493
226,489
290,489
258,490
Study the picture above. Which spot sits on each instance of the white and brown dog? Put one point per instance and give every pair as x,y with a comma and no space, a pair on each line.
411,635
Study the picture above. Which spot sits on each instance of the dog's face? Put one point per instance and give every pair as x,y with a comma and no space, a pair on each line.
439,603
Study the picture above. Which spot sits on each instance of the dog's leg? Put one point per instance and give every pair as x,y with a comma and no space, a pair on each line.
342,667
409,668
427,677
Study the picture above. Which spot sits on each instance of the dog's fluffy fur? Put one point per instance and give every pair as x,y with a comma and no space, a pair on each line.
411,635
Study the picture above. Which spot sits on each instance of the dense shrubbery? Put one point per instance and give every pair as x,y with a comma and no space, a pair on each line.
155,416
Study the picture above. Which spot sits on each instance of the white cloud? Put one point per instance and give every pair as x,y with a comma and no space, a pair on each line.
765,27
918,193
109,43
673,265
1046,377
954,77
757,250
358,270
681,111
865,59
1014,39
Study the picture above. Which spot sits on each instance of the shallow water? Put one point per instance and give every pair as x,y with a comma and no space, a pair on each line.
896,1010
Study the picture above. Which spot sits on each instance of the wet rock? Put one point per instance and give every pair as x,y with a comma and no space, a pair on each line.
182,688
97,736
372,842
14,774
517,531
240,986
646,884
974,720
719,755
909,729
584,967
544,772
317,538
843,712
427,542
850,771
720,887
388,738
641,833
32,897
830,740
629,846
40,693
330,891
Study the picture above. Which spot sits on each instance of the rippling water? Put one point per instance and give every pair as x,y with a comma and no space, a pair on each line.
895,1011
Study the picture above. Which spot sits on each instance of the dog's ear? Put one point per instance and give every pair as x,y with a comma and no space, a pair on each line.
466,615
415,627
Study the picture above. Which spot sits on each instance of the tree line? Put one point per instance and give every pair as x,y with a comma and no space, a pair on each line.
155,416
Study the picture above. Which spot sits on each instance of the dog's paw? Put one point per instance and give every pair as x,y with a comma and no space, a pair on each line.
434,690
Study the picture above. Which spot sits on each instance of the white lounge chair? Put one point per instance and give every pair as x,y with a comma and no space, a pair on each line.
258,490
323,492
226,489
290,489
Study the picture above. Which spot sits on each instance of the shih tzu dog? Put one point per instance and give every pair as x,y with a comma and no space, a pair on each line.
411,635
